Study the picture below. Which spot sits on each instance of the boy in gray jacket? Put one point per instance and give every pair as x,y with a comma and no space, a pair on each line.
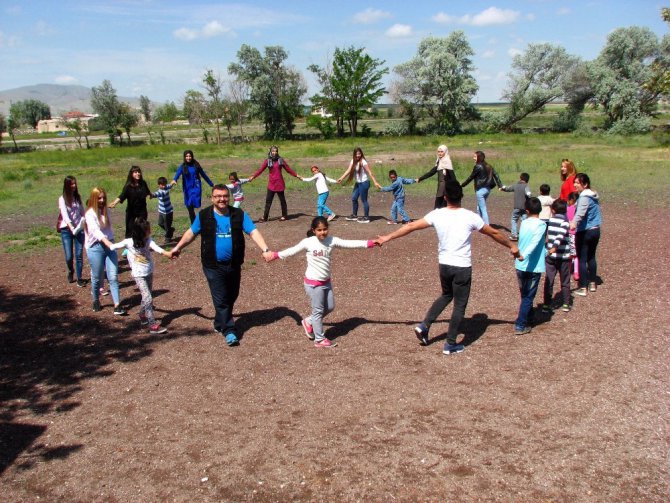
521,194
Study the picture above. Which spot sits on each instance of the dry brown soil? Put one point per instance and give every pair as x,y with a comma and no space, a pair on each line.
95,409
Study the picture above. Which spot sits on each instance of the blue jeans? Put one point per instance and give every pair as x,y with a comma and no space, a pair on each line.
224,286
517,215
101,260
528,283
398,206
71,241
321,205
482,194
361,190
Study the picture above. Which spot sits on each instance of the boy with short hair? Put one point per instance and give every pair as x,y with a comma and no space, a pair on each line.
558,255
545,200
165,209
521,195
398,191
530,265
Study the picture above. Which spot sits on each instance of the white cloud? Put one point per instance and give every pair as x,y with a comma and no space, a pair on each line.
489,54
211,29
43,29
399,31
185,34
65,79
370,16
513,51
488,17
563,11
7,41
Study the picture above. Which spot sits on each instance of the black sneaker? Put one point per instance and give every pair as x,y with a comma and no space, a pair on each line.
96,306
351,218
119,311
364,220
421,331
81,283
453,348
70,277
522,331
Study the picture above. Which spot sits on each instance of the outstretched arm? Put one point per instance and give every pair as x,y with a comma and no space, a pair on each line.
499,237
403,231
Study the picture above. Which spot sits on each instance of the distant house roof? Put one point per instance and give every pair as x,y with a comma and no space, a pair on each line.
74,114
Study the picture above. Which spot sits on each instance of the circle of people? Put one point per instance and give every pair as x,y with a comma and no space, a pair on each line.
558,237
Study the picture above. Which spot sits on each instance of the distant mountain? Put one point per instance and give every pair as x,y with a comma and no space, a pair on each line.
59,98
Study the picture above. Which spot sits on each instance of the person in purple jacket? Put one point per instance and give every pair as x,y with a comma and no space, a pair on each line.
276,185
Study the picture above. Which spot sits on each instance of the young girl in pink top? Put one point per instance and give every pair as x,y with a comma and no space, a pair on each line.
318,247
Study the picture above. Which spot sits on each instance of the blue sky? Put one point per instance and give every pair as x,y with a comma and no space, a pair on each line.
162,48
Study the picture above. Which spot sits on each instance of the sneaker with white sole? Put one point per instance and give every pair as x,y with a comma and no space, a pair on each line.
522,330
119,311
565,308
546,308
325,343
592,287
364,220
104,292
351,218
450,349
331,217
144,321
391,222
581,292
309,331
157,329
421,331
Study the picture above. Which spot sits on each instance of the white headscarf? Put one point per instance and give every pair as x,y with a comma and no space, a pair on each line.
444,163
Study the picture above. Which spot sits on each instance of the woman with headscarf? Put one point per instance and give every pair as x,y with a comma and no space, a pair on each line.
276,185
444,170
191,172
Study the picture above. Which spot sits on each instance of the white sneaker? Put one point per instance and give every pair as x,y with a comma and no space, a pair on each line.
331,217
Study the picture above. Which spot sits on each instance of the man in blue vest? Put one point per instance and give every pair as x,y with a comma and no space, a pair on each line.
222,228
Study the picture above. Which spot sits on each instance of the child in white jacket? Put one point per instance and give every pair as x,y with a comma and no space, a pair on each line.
322,190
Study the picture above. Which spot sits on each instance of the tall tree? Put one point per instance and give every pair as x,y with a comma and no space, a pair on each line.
12,125
105,103
238,98
3,126
195,106
167,112
439,81
275,90
618,77
214,107
30,112
128,119
660,68
78,129
351,86
538,77
145,107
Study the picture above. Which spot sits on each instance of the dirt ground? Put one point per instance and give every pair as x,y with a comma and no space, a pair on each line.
95,409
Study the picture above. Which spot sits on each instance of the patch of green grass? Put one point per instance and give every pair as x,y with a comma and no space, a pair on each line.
37,238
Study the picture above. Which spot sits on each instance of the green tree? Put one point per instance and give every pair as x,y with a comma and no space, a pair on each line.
275,90
167,112
12,125
145,107
660,68
538,77
78,129
618,77
3,126
105,103
350,86
30,112
439,81
128,119
214,108
238,101
195,107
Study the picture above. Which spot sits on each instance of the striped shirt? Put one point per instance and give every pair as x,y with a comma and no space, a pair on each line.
164,203
558,236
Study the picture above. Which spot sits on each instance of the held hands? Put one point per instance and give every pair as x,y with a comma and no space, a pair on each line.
380,240
269,255
173,254
514,250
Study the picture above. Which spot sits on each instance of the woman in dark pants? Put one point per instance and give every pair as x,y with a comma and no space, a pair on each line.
136,192
276,185
444,170
587,222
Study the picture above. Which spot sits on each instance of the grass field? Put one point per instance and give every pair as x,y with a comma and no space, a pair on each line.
626,168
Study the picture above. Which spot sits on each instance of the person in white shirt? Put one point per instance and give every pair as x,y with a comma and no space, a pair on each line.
318,248
322,190
70,227
360,171
454,226
139,248
99,239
